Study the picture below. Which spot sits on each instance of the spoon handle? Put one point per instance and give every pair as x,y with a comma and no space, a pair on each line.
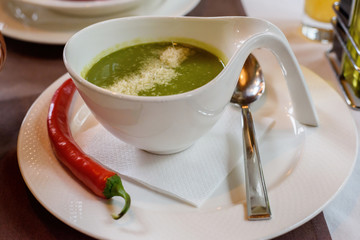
257,201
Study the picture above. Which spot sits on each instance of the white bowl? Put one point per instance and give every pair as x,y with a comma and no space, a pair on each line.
89,8
169,124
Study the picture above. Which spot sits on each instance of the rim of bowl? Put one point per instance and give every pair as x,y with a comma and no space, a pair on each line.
78,4
173,97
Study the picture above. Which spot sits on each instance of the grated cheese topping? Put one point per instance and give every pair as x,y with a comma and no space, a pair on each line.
154,71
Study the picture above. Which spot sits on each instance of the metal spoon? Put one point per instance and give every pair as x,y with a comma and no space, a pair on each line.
249,88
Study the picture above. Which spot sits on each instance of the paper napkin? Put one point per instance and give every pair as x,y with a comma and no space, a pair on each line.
191,175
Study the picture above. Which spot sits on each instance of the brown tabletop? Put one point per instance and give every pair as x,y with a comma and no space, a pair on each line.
30,68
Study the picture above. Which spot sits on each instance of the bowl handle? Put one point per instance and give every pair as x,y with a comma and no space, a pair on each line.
272,38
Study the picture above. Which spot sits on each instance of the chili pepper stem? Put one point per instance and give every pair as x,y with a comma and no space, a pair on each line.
125,208
113,188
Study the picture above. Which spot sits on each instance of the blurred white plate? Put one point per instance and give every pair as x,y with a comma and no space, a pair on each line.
302,179
41,25
85,8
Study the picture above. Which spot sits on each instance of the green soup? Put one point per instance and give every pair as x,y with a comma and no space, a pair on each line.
155,69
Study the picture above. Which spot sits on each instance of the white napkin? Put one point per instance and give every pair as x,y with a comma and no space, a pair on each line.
191,175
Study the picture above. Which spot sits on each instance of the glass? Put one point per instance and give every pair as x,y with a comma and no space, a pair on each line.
351,70
316,20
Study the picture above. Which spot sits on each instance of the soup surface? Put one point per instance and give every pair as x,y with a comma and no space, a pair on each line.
155,69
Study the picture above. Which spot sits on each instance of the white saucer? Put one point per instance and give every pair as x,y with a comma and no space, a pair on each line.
313,176
41,25
85,8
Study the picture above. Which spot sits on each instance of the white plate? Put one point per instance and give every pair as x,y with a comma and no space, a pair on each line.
41,25
85,8
302,176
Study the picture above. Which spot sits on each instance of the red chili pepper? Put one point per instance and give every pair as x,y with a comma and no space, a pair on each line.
101,181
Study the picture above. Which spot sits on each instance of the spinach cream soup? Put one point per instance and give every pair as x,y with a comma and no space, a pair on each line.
155,69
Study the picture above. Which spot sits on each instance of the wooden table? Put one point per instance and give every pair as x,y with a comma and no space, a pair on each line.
30,68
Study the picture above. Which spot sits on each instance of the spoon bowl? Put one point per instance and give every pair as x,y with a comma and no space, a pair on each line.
250,87
247,91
